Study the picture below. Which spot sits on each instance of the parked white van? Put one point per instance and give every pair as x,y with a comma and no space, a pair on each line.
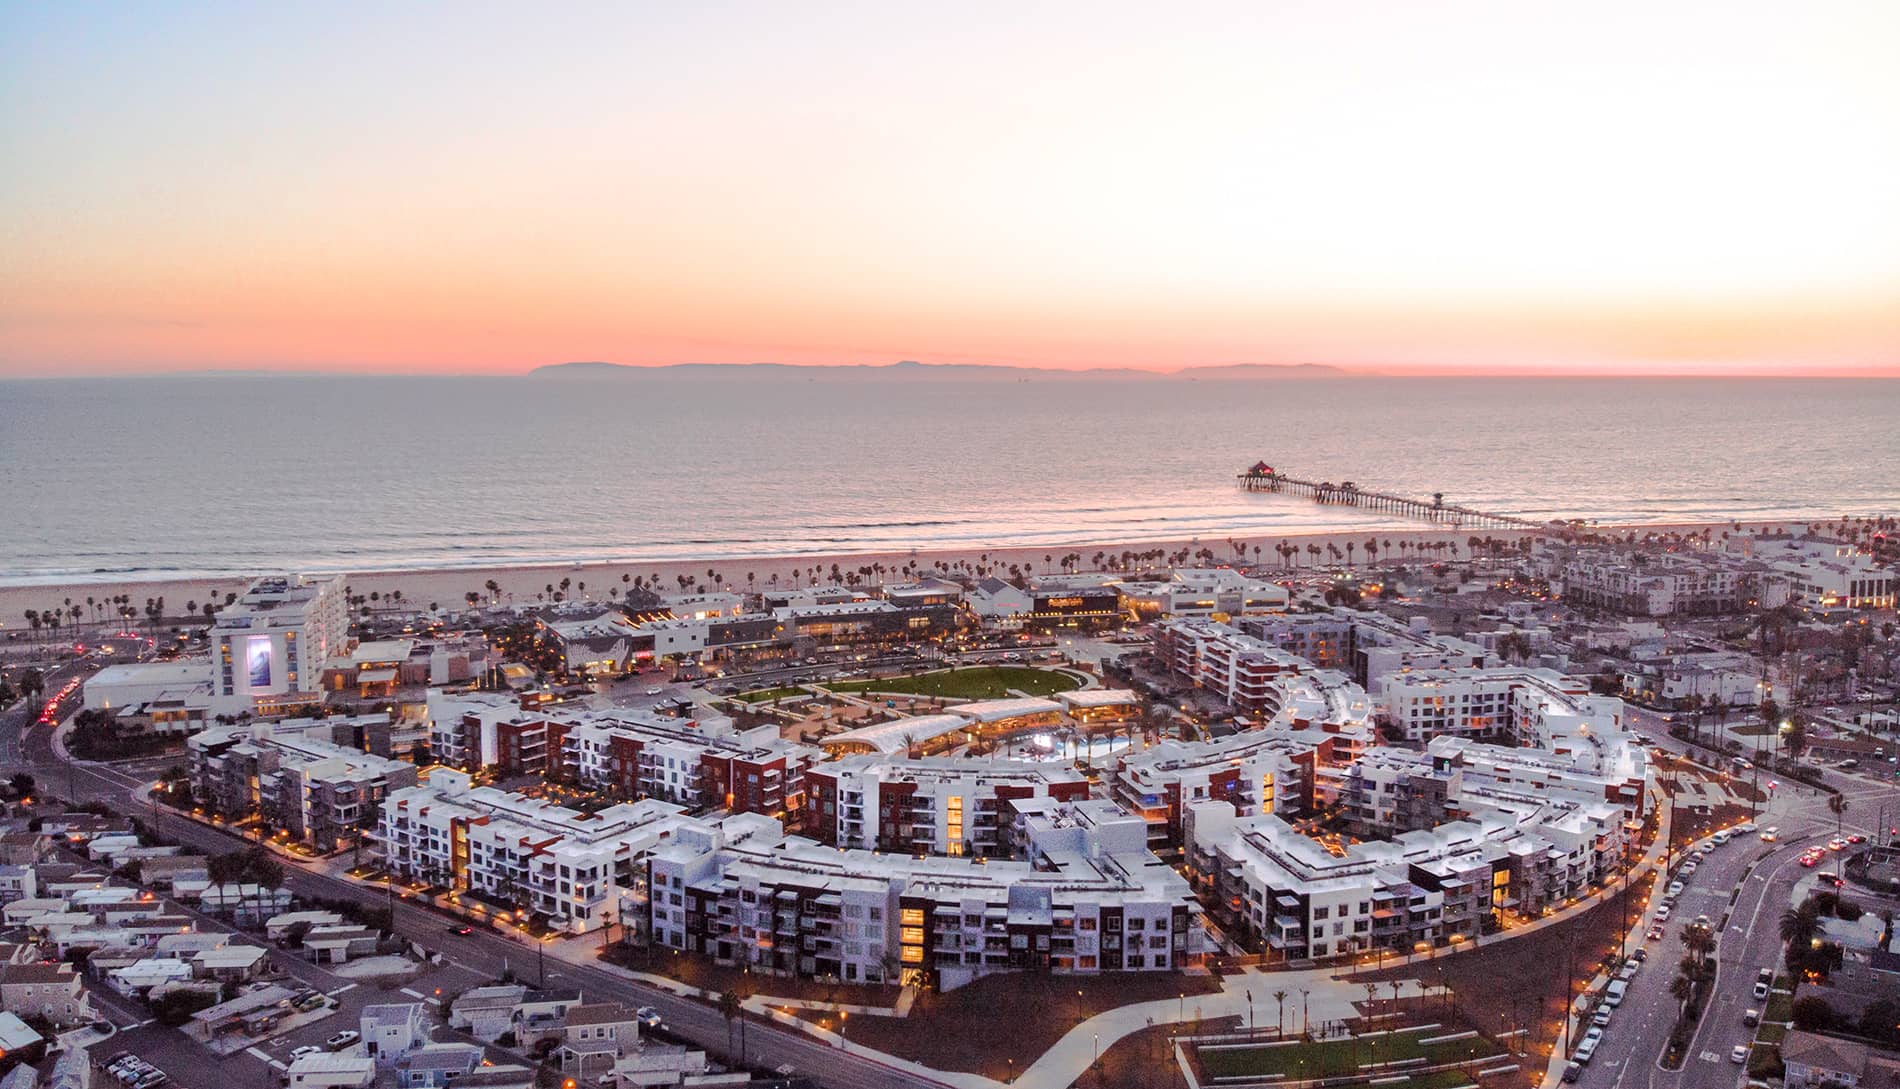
1613,994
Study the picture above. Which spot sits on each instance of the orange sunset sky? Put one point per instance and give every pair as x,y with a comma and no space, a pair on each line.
1623,188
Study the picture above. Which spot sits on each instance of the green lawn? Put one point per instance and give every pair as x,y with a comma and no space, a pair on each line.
1339,1058
1780,1007
974,683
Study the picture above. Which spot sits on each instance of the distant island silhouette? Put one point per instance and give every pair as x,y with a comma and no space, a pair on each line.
911,369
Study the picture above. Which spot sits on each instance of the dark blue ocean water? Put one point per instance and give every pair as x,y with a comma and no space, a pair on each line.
213,475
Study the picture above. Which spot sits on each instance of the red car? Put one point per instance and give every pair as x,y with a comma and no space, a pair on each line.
1810,861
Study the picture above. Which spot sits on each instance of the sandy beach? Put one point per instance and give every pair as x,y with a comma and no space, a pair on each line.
596,582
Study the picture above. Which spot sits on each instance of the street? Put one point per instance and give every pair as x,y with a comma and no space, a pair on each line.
1743,887
469,960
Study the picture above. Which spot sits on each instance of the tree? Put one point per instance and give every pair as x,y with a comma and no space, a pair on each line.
174,1008
1813,1014
730,1009
22,784
1837,805
1280,997
32,684
1701,943
1682,988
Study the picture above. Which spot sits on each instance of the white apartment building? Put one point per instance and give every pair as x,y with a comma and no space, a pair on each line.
269,647
1535,706
1095,901
570,867
1280,891
1833,575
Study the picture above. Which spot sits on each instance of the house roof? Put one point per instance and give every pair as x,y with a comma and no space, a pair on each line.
395,1013
1824,1052
598,1013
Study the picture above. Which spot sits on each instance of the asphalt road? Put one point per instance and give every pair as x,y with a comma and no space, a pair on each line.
469,960
1743,887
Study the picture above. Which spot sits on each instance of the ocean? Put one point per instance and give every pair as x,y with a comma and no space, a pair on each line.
185,477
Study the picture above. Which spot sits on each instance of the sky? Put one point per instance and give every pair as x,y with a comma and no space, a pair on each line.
1398,187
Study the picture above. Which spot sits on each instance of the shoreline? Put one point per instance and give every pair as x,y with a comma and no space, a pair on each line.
519,584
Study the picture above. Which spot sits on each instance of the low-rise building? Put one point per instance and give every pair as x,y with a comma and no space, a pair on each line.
594,1037
52,991
392,1031
330,1070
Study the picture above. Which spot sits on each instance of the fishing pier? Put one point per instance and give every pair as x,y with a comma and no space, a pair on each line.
1264,478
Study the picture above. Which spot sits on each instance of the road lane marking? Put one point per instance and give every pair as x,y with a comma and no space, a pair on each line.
340,990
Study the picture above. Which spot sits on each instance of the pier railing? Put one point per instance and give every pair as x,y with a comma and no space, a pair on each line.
1349,494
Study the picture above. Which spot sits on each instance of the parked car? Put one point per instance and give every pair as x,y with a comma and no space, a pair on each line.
1751,1018
649,1017
300,1052
1589,1045
342,1039
1738,1053
1602,1017
1573,1071
1763,982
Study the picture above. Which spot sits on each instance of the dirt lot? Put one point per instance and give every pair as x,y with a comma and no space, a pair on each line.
1519,983
1013,1016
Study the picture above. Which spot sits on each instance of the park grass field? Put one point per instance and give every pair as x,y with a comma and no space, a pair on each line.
972,683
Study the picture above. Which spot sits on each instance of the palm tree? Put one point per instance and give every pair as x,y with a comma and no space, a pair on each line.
730,1009
1701,943
1280,997
1799,926
1837,805
1682,988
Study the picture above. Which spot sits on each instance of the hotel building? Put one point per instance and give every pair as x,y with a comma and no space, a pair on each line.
269,647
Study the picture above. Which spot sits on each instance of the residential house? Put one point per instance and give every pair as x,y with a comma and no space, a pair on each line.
328,1070
434,1066
392,1031
52,991
486,1012
594,1037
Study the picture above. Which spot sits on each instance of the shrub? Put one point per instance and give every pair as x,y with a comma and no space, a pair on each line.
1813,1015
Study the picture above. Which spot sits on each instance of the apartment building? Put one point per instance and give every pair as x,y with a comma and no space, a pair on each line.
1369,646
751,896
1240,669
295,779
489,731
928,806
1257,772
1281,892
567,866
1534,706
631,755
269,647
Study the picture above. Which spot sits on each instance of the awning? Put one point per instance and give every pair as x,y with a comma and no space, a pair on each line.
376,676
